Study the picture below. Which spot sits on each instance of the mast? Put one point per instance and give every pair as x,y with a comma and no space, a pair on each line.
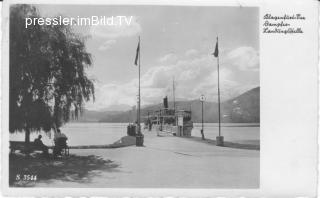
174,102
174,96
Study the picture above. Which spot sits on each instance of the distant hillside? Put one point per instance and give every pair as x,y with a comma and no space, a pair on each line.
94,116
243,108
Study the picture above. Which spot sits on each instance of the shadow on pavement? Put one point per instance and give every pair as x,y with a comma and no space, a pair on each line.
73,168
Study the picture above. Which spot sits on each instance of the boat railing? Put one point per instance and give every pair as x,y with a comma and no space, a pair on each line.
169,128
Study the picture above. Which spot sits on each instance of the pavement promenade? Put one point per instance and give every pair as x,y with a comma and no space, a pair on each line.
170,162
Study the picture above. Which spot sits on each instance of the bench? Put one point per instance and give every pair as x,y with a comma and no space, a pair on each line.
22,146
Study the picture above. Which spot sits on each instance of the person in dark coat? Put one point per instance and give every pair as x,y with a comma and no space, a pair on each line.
39,144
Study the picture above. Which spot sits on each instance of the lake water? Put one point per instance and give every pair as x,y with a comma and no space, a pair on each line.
233,132
107,133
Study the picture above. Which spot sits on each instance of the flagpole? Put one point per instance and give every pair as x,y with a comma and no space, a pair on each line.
219,94
139,135
219,139
139,100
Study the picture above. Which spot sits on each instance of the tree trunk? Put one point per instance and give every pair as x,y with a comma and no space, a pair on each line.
27,137
27,141
56,112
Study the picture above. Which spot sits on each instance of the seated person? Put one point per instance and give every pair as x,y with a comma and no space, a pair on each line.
60,141
39,144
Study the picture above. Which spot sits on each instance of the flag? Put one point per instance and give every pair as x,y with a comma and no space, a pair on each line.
216,51
137,54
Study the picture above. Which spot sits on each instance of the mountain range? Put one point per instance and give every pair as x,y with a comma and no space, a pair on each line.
244,108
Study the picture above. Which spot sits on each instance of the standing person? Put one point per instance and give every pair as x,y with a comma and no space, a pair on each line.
149,124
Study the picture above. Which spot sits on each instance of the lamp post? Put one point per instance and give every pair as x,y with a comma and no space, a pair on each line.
202,99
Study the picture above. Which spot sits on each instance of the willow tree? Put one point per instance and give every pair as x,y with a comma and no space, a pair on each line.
47,74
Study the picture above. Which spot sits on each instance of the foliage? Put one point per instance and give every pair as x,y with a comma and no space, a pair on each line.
47,73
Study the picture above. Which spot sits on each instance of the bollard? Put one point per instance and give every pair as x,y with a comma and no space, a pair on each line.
139,139
219,140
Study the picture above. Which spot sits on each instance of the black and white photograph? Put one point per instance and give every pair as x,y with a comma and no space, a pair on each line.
156,96
147,96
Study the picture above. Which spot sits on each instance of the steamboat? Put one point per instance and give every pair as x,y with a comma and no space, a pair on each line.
172,121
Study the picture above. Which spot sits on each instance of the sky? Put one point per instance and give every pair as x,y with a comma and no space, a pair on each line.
176,43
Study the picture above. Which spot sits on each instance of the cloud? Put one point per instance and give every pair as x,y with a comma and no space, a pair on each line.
116,30
209,85
193,76
155,84
107,45
191,53
171,57
111,94
245,58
